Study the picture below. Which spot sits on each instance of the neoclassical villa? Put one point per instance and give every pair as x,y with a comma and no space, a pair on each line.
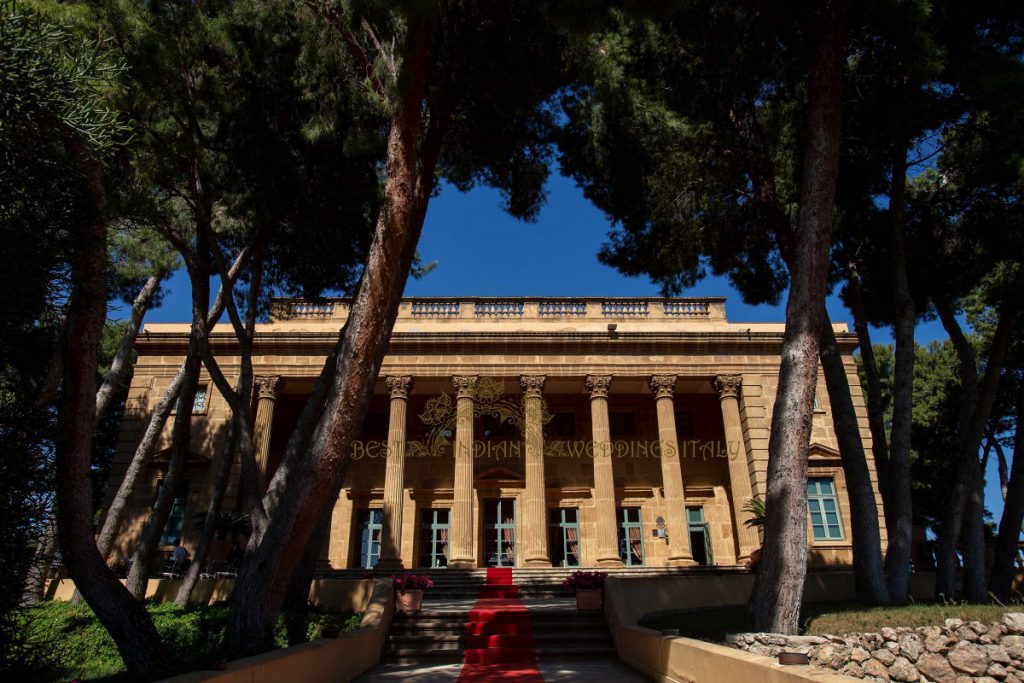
526,432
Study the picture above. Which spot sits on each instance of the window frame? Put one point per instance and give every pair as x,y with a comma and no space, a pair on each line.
818,499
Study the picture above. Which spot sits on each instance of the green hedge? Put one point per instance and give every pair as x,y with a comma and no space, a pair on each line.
77,647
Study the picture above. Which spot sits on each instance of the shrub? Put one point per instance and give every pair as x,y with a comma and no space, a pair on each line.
409,582
580,580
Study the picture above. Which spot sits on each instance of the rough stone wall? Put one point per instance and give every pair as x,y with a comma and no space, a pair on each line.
956,652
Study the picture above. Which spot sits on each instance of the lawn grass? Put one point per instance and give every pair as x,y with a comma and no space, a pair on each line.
75,646
835,618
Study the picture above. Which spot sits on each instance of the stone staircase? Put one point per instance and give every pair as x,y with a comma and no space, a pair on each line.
440,636
454,584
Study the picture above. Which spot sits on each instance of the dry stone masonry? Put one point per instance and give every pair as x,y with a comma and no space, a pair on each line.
956,652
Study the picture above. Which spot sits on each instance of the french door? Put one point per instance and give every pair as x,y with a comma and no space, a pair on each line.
631,537
700,537
564,527
434,529
369,537
500,532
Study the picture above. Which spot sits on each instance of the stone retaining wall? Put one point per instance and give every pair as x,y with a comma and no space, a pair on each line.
956,652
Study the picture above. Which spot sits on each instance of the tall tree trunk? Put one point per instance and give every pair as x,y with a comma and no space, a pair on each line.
976,401
868,575
121,363
39,572
314,482
1000,582
142,559
125,619
218,487
876,413
140,460
776,603
898,554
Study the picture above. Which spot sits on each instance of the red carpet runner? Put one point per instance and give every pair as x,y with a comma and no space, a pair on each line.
499,637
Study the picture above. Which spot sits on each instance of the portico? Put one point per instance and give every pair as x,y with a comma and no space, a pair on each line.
534,432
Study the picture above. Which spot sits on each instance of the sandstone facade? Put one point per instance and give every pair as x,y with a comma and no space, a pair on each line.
612,430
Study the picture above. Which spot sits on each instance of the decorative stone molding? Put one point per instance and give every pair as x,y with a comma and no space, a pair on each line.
663,386
728,386
399,386
598,385
533,385
267,387
465,386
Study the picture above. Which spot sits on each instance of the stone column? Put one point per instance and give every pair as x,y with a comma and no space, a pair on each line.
728,387
266,397
606,523
462,528
535,538
394,475
679,554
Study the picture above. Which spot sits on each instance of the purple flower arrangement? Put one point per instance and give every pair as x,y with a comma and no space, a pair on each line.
411,582
580,580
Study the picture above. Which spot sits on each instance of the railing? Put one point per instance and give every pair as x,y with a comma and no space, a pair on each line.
562,309
498,309
435,309
624,309
304,310
518,308
687,309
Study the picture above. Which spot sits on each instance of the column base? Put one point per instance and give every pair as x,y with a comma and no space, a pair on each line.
538,561
462,564
389,564
610,562
681,562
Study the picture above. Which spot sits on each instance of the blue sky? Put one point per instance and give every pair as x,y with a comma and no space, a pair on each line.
482,251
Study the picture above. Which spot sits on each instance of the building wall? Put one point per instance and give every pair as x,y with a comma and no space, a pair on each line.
295,351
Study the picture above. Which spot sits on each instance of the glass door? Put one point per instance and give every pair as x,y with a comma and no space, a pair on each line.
369,537
564,527
700,538
631,537
434,538
500,532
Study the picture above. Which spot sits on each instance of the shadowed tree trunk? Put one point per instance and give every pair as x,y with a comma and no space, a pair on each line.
125,619
897,556
39,572
776,602
142,559
1000,582
121,363
218,486
876,413
976,401
314,481
868,576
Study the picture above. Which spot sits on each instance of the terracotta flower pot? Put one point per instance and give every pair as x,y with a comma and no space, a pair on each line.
410,600
588,598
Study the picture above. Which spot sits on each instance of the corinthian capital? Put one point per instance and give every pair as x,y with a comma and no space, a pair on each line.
465,386
533,385
728,386
267,387
598,385
399,386
663,385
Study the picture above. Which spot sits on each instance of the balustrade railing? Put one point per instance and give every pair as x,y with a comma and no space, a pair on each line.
687,309
498,309
517,308
562,309
435,309
624,309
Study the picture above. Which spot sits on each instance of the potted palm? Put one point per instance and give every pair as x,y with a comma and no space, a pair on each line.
755,506
588,587
409,591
